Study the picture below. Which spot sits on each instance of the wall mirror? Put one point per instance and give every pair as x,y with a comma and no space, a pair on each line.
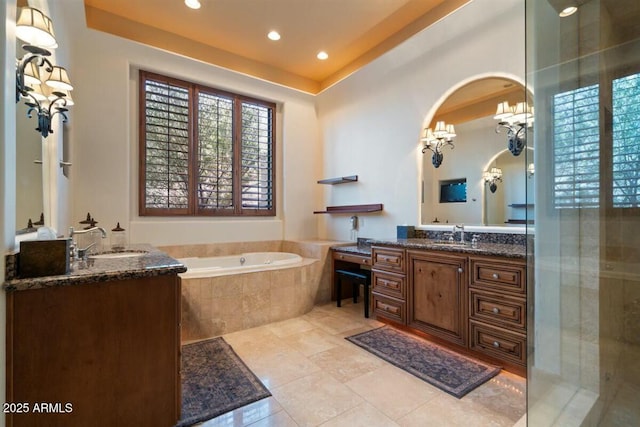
29,183
477,148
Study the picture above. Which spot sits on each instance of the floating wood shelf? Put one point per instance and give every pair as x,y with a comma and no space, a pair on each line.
339,180
377,207
519,221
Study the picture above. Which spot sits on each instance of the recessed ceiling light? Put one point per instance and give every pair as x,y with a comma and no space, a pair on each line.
322,55
568,11
273,35
193,4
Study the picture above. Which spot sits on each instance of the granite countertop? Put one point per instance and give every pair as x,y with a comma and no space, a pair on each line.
353,249
484,248
152,263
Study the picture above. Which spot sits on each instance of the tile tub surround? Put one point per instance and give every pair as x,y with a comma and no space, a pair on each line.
219,305
153,263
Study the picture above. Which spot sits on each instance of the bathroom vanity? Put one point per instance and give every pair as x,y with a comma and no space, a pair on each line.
472,300
99,346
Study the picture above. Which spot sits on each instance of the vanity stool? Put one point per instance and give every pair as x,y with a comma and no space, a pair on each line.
357,277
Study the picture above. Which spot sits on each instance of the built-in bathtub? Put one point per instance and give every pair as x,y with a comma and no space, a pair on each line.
203,267
223,294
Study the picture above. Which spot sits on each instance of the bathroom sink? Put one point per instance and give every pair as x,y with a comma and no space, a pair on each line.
451,245
116,255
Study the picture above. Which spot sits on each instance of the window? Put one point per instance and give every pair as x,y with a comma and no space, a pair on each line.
577,147
576,136
204,151
626,142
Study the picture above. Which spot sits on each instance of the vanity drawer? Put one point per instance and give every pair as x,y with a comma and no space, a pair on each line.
497,342
354,258
389,259
389,308
504,276
505,311
389,284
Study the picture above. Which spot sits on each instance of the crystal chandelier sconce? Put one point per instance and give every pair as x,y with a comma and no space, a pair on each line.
49,97
515,119
435,140
492,177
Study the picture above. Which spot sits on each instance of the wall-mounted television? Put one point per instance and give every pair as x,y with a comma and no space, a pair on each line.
453,191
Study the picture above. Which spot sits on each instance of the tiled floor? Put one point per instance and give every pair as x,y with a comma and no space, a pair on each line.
317,377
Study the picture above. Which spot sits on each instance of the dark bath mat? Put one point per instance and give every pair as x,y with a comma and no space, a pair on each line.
215,381
445,369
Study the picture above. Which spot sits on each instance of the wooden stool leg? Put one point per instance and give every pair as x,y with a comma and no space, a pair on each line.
338,291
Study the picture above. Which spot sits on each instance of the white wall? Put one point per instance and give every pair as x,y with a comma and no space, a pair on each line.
103,138
371,122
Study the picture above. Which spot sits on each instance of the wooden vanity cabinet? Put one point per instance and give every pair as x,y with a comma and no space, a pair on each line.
437,302
107,354
388,284
498,309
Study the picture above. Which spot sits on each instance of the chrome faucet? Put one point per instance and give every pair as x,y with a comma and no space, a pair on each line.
81,253
461,227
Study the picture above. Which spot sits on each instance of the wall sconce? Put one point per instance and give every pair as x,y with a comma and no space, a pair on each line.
492,177
437,139
49,99
515,119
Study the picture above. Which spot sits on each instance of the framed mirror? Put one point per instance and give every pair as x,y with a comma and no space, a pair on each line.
477,148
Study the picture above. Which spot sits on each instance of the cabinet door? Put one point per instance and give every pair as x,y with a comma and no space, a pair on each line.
438,295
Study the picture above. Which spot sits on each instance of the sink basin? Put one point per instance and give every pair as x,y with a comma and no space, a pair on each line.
451,245
116,255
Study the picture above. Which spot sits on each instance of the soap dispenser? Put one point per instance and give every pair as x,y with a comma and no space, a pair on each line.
118,238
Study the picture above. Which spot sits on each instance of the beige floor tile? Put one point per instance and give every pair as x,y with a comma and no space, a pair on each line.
281,419
363,415
316,377
290,327
281,367
504,394
392,391
346,363
246,415
315,399
337,323
448,411
313,341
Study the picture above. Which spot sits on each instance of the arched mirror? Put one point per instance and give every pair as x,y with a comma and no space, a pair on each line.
476,156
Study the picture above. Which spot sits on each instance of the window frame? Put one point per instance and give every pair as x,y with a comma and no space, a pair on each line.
193,209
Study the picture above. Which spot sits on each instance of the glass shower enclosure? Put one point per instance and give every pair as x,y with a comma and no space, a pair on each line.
583,70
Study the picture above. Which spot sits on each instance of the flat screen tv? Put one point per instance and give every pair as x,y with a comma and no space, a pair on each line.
453,191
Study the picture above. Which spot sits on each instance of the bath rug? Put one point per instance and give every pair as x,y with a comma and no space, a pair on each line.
215,381
445,369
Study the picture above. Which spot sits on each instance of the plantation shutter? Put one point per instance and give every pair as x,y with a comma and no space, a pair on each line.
257,157
626,141
576,138
215,152
204,151
166,145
